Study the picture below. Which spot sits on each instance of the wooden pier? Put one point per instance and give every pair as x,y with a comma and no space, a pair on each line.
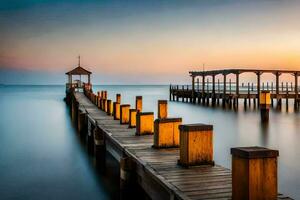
229,92
184,172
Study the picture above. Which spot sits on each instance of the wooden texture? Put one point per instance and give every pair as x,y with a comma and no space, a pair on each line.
144,123
139,103
116,110
118,98
254,173
124,113
162,110
196,145
157,170
132,118
110,108
166,132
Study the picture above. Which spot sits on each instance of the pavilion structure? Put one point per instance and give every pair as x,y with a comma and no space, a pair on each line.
227,91
78,71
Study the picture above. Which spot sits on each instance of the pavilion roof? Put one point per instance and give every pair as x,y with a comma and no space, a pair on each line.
79,71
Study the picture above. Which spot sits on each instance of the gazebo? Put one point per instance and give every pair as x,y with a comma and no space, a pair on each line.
78,71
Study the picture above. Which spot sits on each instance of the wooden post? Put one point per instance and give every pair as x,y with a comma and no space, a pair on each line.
254,173
81,125
170,93
144,123
213,99
296,90
258,85
116,111
203,88
162,109
132,118
287,95
126,173
265,102
193,89
105,105
196,144
166,132
118,98
90,135
99,147
124,113
139,103
110,107
237,80
229,86
224,89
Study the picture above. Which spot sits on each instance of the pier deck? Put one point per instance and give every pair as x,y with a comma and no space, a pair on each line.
156,169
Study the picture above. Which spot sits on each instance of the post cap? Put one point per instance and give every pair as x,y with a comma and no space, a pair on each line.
196,127
162,102
132,110
265,91
108,100
254,152
138,97
145,113
125,105
166,120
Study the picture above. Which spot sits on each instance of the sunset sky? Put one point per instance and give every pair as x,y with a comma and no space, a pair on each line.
139,41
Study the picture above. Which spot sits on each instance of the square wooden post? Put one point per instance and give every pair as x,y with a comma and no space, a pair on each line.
166,132
118,98
124,113
162,109
116,111
196,144
265,102
132,118
105,105
254,173
139,103
144,123
109,107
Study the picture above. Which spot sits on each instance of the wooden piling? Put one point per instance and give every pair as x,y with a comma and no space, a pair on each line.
144,123
166,132
124,113
110,107
254,173
162,109
265,102
139,103
116,110
118,98
132,118
196,145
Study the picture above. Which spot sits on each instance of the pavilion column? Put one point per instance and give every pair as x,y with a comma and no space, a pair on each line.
258,85
69,78
224,88
193,89
237,89
89,79
203,88
277,83
296,90
213,99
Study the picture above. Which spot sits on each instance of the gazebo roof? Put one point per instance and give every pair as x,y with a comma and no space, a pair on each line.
79,71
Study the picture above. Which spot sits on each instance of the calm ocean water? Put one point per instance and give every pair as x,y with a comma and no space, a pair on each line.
41,157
